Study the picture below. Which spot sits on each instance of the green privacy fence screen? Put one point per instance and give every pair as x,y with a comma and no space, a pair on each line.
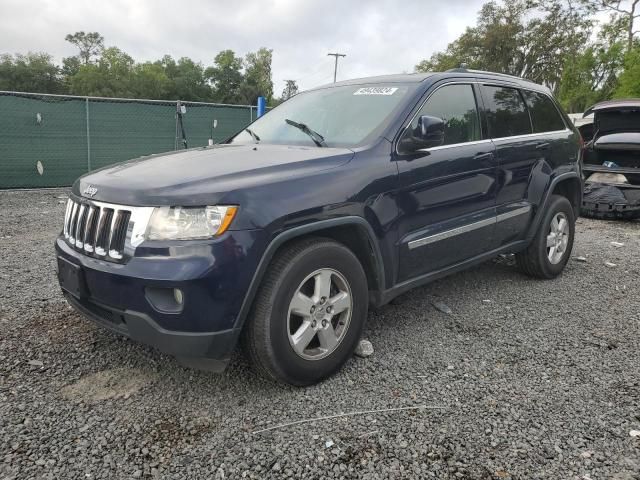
50,140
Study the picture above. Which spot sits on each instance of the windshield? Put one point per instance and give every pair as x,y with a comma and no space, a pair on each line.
343,116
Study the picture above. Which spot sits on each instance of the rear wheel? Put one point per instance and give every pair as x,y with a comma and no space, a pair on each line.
550,249
309,312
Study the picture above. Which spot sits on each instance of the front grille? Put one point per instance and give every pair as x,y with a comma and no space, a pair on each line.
104,230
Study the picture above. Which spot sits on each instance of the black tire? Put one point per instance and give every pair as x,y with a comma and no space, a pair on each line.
534,261
265,335
603,214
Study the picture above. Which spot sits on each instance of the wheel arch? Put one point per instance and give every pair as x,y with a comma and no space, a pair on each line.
352,231
566,184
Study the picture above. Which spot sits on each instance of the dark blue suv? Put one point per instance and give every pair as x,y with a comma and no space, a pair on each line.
341,198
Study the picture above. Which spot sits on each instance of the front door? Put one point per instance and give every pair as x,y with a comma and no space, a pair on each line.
446,197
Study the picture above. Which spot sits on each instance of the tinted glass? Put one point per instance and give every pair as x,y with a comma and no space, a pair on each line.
544,114
506,112
345,115
456,105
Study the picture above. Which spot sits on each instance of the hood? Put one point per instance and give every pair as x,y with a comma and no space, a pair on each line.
202,176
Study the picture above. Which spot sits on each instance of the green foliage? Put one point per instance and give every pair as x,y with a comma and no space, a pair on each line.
33,72
225,77
257,77
517,37
149,80
629,81
110,72
550,42
110,76
187,78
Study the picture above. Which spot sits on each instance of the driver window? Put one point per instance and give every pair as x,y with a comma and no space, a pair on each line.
456,105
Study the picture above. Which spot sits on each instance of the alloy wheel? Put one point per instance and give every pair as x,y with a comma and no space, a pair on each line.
319,314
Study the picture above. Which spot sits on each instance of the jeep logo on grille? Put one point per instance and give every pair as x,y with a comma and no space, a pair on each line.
90,191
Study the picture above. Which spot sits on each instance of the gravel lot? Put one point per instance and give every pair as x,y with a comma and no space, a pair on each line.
532,379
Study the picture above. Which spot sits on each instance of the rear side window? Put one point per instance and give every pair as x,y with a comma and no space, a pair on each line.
544,114
506,112
456,105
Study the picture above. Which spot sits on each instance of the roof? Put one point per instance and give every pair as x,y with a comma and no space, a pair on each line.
621,104
420,77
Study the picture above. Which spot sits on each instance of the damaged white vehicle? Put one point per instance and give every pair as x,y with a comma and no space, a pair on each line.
611,160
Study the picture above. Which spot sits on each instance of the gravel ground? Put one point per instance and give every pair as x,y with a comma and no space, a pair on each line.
532,379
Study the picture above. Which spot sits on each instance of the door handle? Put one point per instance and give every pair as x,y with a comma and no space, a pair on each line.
543,146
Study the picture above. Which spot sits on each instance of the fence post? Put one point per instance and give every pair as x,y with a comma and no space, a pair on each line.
86,109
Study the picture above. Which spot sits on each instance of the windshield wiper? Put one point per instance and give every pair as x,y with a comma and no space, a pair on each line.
315,136
255,137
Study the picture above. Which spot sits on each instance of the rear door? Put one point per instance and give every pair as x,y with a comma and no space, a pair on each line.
447,193
517,153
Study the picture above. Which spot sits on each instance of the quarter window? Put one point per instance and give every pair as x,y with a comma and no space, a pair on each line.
456,105
544,114
506,112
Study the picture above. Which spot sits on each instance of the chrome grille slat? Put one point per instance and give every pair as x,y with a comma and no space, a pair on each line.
89,229
114,218
104,230
72,223
67,216
80,225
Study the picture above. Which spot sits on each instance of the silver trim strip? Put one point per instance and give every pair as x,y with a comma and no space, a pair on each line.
529,135
444,147
513,213
421,242
429,239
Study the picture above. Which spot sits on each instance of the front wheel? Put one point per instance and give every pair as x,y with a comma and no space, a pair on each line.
550,249
309,312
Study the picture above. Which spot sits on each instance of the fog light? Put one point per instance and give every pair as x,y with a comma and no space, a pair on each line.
178,296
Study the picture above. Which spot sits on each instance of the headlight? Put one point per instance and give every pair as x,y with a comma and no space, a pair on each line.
189,223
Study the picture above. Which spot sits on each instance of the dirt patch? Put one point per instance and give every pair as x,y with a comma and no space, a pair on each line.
107,384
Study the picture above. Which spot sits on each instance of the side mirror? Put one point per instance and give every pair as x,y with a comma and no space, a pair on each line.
428,133
430,130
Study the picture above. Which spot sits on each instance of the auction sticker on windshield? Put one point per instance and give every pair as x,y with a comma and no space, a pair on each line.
376,91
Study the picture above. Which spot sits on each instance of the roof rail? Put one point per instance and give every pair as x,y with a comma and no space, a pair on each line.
467,70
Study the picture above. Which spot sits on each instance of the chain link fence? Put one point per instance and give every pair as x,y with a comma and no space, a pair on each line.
50,140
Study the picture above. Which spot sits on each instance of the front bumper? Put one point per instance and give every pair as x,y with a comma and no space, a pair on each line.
214,278
192,348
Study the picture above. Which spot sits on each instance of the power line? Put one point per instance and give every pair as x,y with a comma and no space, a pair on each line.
335,68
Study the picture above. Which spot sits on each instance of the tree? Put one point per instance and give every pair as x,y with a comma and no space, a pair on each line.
629,81
257,77
90,44
226,77
518,37
110,76
149,80
290,89
592,75
33,72
627,11
187,77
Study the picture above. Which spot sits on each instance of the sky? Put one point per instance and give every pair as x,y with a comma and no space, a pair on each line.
377,36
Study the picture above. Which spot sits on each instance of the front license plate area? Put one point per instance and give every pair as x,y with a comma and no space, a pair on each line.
71,278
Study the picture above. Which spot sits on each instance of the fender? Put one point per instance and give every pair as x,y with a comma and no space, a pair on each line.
533,228
295,232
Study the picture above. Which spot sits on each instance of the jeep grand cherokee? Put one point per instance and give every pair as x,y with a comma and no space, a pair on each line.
339,199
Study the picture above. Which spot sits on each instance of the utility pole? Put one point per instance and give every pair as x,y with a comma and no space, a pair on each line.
335,69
